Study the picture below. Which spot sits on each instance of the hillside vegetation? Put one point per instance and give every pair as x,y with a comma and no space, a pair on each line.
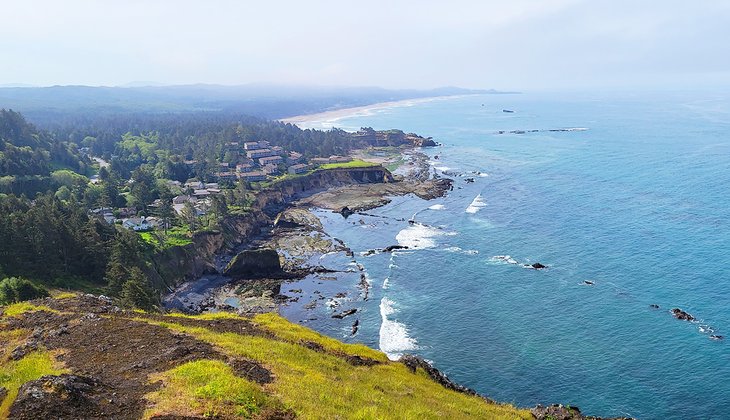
80,356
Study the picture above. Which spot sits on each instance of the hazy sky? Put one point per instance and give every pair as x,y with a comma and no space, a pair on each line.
505,44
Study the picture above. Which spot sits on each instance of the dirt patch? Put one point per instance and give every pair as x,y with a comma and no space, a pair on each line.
252,371
110,358
240,325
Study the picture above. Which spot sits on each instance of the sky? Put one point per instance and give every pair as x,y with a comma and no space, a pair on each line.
506,44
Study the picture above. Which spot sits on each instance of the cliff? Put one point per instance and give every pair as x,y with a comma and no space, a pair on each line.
176,265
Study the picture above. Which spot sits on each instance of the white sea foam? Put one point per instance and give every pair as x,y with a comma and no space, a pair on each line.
483,175
503,259
386,283
394,338
441,168
437,207
476,204
418,236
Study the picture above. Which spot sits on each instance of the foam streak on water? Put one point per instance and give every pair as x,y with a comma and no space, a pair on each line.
394,337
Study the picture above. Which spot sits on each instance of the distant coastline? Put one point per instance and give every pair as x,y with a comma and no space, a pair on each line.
331,116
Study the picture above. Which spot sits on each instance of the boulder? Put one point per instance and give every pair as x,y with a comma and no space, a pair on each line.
253,264
537,266
346,212
654,306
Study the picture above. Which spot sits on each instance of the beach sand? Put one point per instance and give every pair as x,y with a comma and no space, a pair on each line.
328,118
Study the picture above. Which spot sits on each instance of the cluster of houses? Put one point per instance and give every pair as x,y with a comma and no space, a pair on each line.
255,161
258,160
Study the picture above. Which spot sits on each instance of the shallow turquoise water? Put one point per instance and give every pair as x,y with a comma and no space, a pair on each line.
638,204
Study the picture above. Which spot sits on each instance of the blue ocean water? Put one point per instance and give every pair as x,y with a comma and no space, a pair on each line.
638,204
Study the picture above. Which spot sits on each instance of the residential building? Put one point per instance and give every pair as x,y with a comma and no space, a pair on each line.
251,145
270,169
298,169
270,160
259,153
253,176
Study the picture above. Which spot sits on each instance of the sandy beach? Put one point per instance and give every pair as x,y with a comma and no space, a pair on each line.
329,118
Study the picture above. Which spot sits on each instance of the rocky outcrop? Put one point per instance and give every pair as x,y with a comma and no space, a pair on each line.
565,412
414,362
682,315
63,396
255,263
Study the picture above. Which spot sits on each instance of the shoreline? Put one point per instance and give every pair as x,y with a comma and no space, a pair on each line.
335,115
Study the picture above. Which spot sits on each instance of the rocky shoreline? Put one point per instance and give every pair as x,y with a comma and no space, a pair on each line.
281,220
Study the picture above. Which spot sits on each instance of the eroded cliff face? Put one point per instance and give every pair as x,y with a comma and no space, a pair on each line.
177,265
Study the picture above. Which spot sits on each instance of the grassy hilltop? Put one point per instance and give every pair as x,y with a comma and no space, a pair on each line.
80,356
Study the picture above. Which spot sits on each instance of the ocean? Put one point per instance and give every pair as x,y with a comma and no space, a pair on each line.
633,198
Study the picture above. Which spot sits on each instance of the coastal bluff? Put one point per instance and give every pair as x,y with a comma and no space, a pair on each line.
176,265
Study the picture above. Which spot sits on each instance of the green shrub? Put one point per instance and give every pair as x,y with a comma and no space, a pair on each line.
14,289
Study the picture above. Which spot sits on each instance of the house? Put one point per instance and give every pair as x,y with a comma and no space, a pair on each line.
277,149
136,223
182,199
223,165
127,212
259,153
295,157
196,185
201,193
270,169
211,185
226,176
319,161
253,176
244,167
271,160
298,169
251,145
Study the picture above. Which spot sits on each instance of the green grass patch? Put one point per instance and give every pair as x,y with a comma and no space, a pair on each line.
208,388
294,333
13,374
324,385
159,240
17,309
357,163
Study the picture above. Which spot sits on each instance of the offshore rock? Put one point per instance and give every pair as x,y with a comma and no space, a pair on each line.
682,315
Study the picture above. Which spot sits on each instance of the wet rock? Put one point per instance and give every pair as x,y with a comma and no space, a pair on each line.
3,394
394,247
355,326
654,306
469,180
682,315
346,212
717,337
341,295
345,313
537,266
588,282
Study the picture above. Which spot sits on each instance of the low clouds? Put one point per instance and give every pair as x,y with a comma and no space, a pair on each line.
508,45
